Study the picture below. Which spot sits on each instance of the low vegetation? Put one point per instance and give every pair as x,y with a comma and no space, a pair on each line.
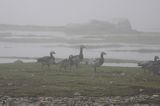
30,79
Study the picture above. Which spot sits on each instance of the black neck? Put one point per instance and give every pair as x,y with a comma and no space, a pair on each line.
51,54
101,55
81,53
155,59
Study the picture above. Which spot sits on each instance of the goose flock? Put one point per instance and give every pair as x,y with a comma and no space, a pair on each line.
71,61
75,60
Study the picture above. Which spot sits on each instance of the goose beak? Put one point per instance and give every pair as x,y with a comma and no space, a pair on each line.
82,46
104,53
53,52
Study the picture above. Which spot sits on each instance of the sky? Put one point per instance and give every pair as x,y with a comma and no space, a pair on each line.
144,15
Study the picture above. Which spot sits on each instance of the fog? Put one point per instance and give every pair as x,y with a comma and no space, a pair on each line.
143,14
128,30
79,52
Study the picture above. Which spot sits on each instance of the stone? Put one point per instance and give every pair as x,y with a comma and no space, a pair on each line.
77,94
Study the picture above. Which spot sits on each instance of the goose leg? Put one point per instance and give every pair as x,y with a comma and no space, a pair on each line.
95,69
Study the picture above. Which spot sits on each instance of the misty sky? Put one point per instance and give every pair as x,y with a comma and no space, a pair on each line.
143,14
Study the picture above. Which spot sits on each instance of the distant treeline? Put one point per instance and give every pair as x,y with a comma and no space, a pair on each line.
92,27
101,27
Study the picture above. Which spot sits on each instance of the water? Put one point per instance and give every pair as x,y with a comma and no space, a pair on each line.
7,60
64,48
121,64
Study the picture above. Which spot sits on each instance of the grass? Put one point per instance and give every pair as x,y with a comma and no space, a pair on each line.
29,79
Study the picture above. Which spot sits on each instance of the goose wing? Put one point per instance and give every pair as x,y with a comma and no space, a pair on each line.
97,62
43,58
46,59
75,58
146,64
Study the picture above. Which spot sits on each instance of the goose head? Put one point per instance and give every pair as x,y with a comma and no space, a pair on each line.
156,58
82,46
52,52
103,53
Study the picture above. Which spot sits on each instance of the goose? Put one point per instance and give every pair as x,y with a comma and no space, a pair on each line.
47,60
76,59
99,61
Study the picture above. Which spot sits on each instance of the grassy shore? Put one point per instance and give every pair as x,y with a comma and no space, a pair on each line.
29,79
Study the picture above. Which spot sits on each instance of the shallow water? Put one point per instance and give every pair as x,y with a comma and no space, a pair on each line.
7,60
63,51
124,51
121,64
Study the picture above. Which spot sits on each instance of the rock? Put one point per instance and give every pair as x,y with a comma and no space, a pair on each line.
123,74
154,96
18,62
10,84
77,101
111,82
32,75
77,94
141,90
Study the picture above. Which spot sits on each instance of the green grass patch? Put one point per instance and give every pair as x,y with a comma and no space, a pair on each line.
30,79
